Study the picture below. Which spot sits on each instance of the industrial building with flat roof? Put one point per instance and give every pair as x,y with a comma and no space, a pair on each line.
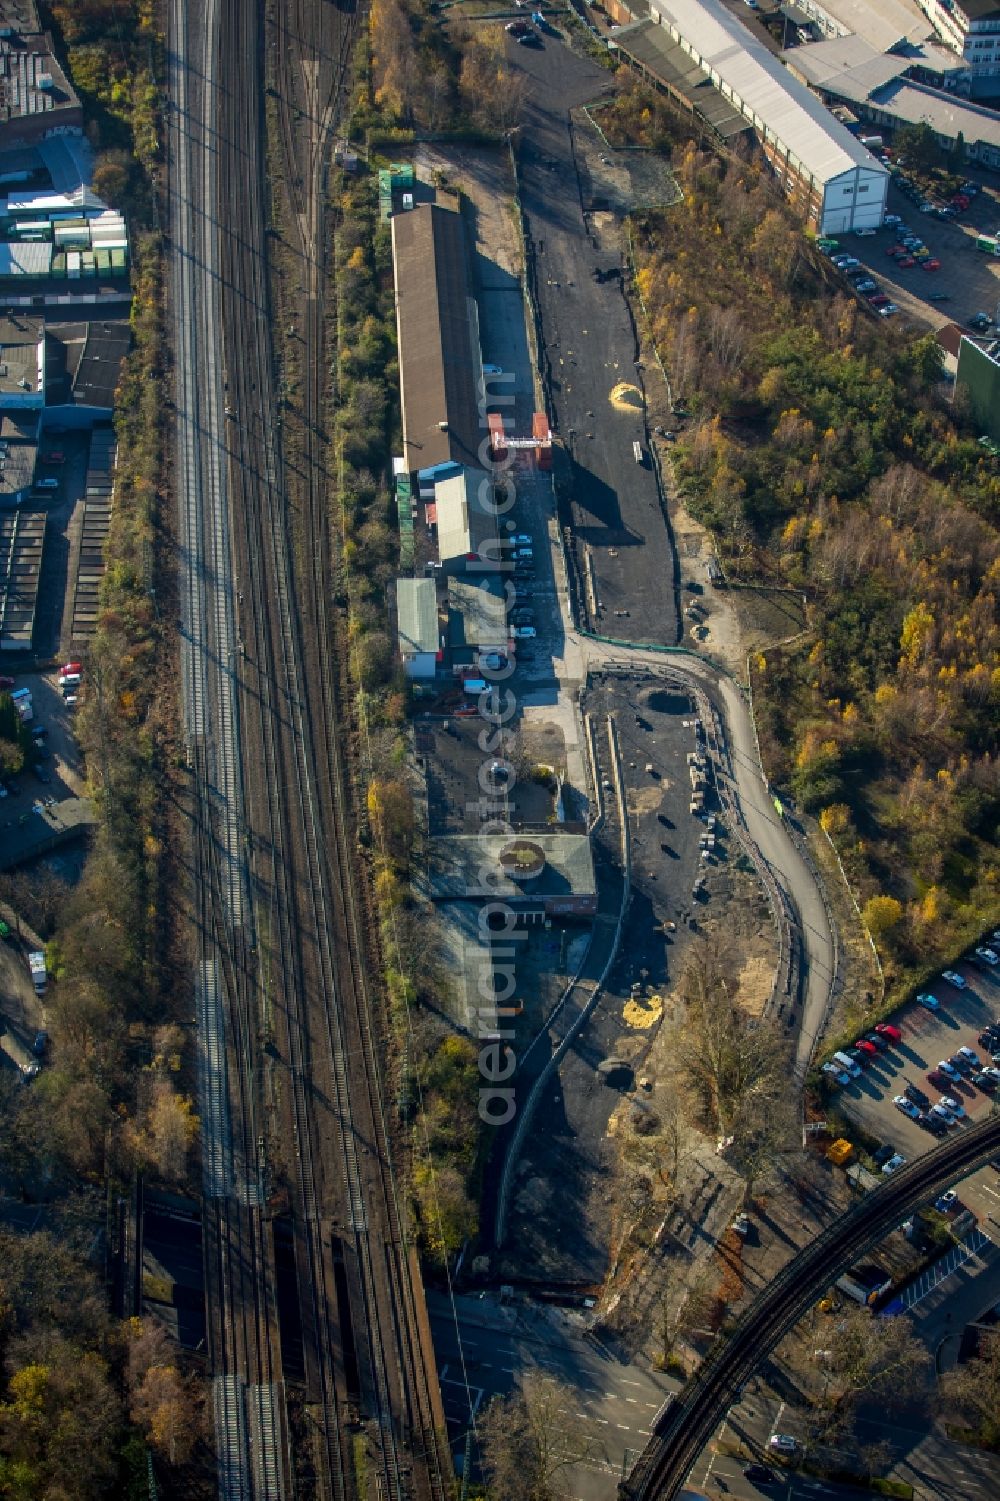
477,613
36,98
882,89
466,515
22,363
85,363
556,877
883,24
18,455
832,180
972,29
440,367
417,626
22,537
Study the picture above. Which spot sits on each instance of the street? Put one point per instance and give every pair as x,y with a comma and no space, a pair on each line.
483,1348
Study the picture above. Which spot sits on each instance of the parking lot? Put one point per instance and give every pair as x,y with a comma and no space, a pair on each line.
927,1039
968,281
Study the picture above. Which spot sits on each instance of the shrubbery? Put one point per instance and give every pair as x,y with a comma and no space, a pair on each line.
823,457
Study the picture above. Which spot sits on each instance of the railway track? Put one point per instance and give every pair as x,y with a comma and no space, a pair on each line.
247,1391
400,1370
688,1424
297,972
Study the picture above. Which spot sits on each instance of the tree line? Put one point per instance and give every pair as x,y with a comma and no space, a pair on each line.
822,455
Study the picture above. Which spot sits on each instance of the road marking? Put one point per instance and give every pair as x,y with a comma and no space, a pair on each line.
633,1399
631,1383
624,1427
943,1269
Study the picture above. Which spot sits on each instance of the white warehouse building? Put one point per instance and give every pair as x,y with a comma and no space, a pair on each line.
834,182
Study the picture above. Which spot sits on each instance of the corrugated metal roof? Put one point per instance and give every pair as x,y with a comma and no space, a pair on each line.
416,612
29,259
438,338
913,104
883,23
477,613
824,64
464,522
797,118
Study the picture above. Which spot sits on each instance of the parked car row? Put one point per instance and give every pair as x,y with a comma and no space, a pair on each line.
944,207
849,1063
864,284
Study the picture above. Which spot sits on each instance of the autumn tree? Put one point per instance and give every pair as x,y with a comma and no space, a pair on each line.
529,1441
112,173
60,1419
162,1400
390,808
59,1424
15,739
881,915
162,1137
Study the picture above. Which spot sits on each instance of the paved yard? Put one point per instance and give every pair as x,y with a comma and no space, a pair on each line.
928,1038
970,280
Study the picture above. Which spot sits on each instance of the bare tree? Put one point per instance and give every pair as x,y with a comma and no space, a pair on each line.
881,1359
530,1439
691,1310
972,1391
734,1062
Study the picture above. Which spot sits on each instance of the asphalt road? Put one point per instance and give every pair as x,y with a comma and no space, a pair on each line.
589,349
616,514
483,1350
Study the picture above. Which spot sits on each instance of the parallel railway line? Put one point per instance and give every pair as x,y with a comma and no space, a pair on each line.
294,948
398,1365
247,1393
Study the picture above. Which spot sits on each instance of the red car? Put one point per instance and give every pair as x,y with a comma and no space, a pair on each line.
895,250
932,265
878,299
864,1046
54,456
886,1029
938,1080
70,669
906,261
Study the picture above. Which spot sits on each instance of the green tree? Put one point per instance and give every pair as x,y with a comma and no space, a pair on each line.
15,738
919,145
